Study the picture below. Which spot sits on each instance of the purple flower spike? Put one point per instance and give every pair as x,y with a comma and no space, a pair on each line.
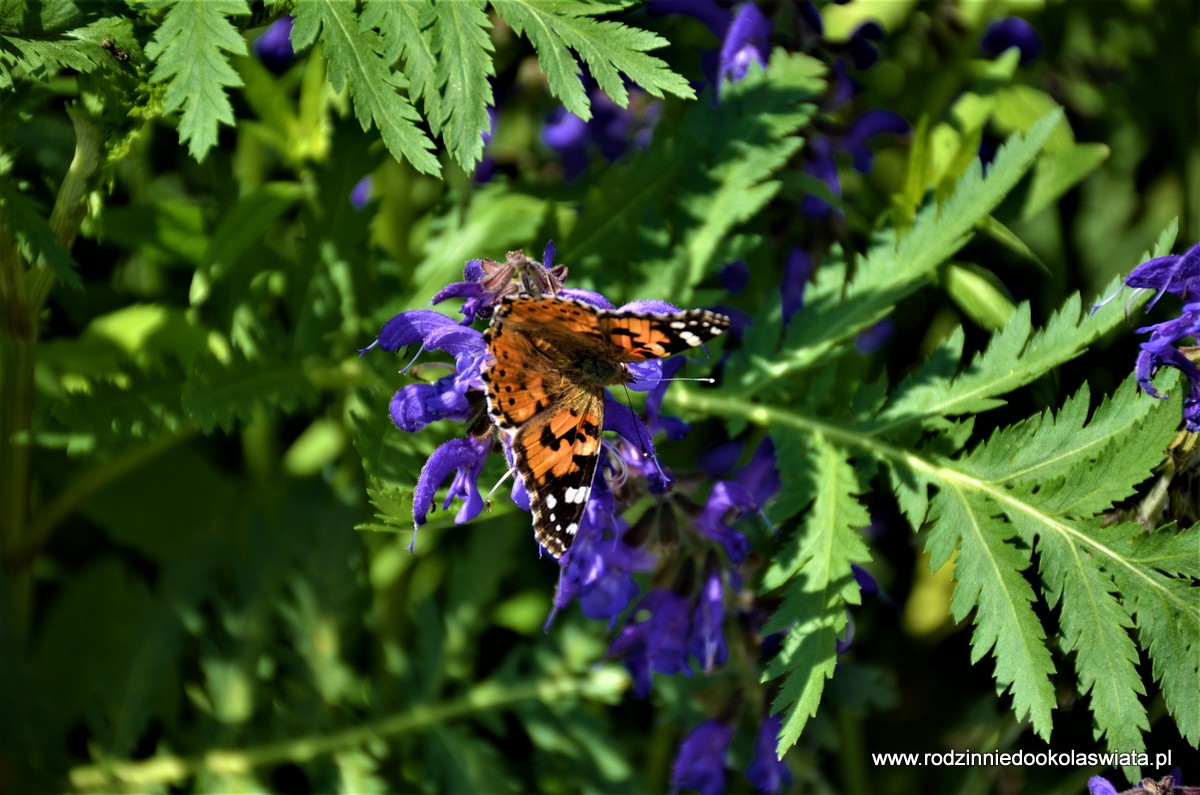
1160,351
822,166
726,495
863,53
465,458
709,12
767,773
760,477
866,127
700,764
1098,785
360,194
734,276
658,643
707,644
874,338
747,41
409,328
1011,32
796,270
1178,274
597,568
274,47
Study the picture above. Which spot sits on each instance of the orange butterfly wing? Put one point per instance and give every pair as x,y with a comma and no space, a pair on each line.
551,359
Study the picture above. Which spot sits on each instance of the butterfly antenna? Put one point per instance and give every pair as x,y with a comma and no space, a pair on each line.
643,436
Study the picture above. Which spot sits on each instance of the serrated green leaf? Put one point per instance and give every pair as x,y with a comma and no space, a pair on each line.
1167,612
814,567
989,581
189,50
738,145
834,311
460,35
354,53
608,48
1096,627
219,396
405,28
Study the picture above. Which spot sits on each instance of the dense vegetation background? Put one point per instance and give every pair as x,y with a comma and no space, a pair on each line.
205,507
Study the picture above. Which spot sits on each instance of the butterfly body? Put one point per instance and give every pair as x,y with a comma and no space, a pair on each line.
550,361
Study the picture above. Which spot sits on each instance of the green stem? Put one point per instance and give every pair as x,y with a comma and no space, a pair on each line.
484,697
941,473
17,348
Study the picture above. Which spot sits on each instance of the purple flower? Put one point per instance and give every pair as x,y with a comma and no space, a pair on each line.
761,476
274,47
867,126
734,276
1011,32
598,567
796,270
674,427
707,644
1098,785
465,458
610,130
360,194
486,282
748,41
1178,274
417,405
714,16
767,773
700,764
872,339
822,166
656,643
726,496
1160,351
861,47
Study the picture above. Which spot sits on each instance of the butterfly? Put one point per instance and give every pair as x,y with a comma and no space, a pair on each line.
551,358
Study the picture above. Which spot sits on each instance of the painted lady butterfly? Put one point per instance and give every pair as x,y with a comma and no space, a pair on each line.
551,359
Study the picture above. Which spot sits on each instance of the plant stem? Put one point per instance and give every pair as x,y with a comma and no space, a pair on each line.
484,697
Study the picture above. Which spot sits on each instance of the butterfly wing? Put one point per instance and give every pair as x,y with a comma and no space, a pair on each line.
557,453
551,358
555,423
639,336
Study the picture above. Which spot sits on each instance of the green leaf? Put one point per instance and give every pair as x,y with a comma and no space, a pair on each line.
460,34
979,294
37,240
1166,609
1014,357
608,48
405,28
1095,625
815,566
677,202
215,395
834,312
189,50
989,581
355,58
